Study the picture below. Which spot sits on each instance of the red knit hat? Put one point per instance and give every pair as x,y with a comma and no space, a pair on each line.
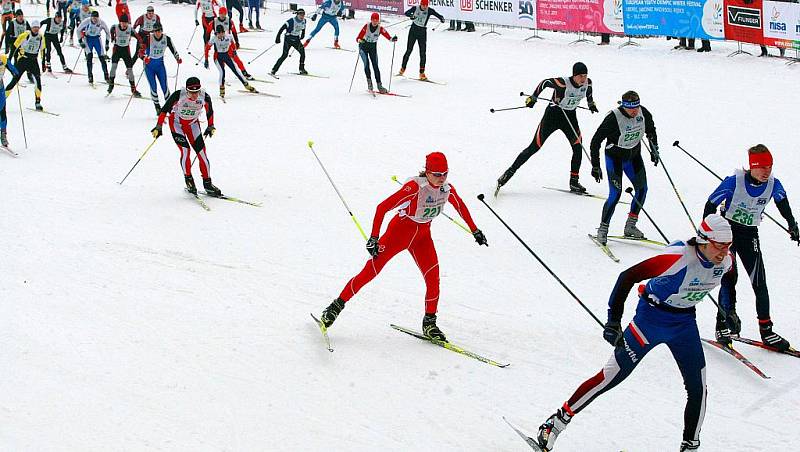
760,160
423,2
436,162
375,16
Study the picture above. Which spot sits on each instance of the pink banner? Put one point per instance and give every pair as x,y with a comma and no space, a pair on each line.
598,16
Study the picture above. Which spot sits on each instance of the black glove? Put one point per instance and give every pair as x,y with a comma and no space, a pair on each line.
480,238
394,38
372,246
612,333
593,108
597,173
205,63
278,39
82,43
313,17
654,155
794,233
196,22
441,21
530,101
209,131
156,131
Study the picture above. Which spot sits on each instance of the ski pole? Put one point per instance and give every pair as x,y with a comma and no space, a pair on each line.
140,159
480,198
75,66
629,191
550,100
192,38
131,98
456,222
391,67
22,117
678,145
355,67
198,59
493,110
265,51
177,72
674,188
353,217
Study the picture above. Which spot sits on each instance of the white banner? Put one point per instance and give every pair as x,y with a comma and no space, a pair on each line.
514,13
782,21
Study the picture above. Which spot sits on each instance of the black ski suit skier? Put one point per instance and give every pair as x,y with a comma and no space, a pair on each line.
295,32
418,32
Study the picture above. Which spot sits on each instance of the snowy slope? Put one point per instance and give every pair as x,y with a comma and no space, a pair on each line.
134,320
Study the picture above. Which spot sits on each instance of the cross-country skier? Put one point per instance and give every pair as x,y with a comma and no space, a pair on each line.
418,202
254,5
223,56
54,28
236,5
330,10
89,32
4,63
368,48
142,27
27,46
568,92
184,107
623,130
745,195
207,6
122,9
154,69
679,278
13,29
121,35
418,33
61,7
7,11
226,22
75,9
295,31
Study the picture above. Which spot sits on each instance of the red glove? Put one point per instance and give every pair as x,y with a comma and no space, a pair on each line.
147,60
180,61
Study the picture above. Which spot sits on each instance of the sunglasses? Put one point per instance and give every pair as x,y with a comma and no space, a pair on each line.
720,246
437,174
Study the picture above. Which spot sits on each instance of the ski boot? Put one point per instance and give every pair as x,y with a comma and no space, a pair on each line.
369,85
631,230
190,187
135,93
552,427
430,330
67,70
110,86
222,91
422,76
336,44
247,75
211,190
331,312
575,186
771,338
602,233
305,44
273,72
3,138
503,179
721,331
250,88
381,89
250,24
38,104
690,445
402,71
242,29
303,70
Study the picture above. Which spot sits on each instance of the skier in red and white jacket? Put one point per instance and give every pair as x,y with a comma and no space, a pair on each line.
418,202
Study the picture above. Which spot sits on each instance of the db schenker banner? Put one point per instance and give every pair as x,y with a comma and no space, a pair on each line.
512,13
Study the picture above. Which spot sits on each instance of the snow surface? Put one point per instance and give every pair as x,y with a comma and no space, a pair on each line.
134,320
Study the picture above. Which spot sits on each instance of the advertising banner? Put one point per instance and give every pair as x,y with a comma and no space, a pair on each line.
781,24
702,19
743,21
381,6
600,16
512,13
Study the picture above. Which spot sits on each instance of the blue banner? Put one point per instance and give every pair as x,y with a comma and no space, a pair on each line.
702,19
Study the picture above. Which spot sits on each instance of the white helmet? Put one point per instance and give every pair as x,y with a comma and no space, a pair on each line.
714,228
36,24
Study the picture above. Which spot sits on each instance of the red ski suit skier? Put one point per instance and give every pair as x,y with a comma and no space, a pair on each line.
418,203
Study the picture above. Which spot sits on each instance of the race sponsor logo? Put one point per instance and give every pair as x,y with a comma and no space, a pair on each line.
776,23
744,17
